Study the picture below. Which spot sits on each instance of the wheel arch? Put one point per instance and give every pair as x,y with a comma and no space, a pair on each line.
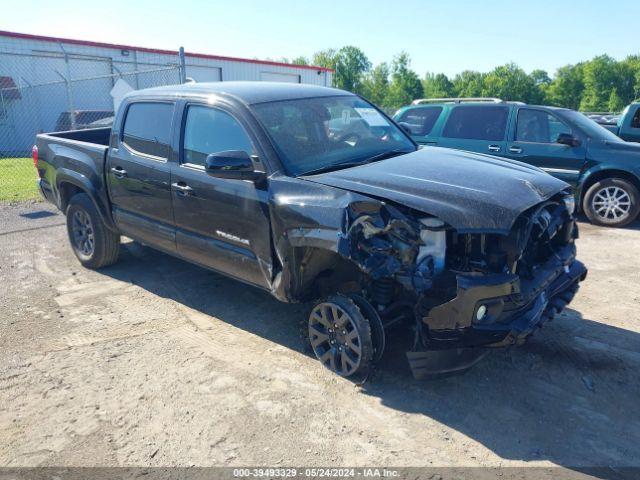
69,184
318,272
596,176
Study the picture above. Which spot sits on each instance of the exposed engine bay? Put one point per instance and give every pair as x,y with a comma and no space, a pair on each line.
462,292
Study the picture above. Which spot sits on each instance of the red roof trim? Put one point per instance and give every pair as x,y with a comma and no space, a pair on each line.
89,43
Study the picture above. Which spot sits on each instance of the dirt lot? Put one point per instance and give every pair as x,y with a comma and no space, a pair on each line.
157,362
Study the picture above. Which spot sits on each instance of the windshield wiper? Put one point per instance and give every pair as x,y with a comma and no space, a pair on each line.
388,154
335,166
357,163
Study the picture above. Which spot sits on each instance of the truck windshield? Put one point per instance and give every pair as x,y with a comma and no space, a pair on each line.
589,127
313,135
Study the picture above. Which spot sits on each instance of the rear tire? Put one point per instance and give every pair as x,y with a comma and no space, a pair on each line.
611,202
91,241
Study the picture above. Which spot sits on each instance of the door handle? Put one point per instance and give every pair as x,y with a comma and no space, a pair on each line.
494,148
119,171
182,188
515,149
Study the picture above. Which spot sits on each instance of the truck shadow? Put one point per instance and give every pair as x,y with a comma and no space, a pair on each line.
569,396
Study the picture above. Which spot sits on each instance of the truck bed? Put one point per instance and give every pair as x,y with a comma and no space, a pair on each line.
73,158
98,136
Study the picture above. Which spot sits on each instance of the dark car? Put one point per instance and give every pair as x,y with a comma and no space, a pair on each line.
603,169
81,119
314,195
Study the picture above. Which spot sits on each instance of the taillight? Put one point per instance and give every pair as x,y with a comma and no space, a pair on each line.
34,154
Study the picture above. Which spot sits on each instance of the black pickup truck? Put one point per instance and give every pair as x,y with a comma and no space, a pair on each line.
315,195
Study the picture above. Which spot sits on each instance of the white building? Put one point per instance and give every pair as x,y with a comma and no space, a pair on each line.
41,78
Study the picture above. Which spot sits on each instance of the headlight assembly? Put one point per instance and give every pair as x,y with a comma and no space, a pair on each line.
570,203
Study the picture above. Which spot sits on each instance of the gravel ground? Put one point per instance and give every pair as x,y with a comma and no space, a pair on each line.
155,362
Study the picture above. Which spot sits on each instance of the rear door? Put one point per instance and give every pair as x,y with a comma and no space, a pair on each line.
138,174
220,223
421,121
533,141
477,128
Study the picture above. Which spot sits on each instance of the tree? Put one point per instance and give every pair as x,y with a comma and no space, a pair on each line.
437,86
541,80
600,78
601,83
509,82
375,85
325,58
350,65
615,104
567,88
629,78
540,77
405,84
468,84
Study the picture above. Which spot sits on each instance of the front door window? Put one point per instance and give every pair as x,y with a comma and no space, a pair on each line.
537,126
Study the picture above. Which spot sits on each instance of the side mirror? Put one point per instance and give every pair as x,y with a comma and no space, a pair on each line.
232,164
406,127
568,139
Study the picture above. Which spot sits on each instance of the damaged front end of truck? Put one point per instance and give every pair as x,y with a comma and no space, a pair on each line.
456,293
467,292
496,290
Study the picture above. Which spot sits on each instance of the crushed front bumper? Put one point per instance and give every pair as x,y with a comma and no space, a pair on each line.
455,336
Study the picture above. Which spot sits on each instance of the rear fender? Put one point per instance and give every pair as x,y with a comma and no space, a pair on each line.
65,178
599,172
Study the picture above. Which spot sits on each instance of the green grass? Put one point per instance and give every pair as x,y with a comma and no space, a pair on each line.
18,180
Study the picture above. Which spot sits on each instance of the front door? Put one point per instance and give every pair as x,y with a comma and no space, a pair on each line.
534,142
220,223
138,175
477,128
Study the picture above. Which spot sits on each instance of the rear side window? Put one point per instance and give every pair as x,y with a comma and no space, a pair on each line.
147,128
477,123
421,120
209,130
635,121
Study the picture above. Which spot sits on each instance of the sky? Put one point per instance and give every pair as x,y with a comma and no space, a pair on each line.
439,36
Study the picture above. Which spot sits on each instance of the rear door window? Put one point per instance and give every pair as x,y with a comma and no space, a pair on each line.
477,123
538,126
209,130
421,120
147,128
635,121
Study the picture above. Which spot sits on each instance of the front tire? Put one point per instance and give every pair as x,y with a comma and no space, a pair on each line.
340,336
612,202
91,241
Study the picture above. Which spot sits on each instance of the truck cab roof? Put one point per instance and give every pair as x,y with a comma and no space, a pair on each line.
248,93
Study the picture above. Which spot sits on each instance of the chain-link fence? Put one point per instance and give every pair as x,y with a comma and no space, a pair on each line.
45,92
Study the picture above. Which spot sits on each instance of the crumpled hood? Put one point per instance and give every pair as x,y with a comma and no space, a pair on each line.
469,191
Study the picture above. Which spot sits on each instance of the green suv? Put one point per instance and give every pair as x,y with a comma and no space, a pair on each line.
603,169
